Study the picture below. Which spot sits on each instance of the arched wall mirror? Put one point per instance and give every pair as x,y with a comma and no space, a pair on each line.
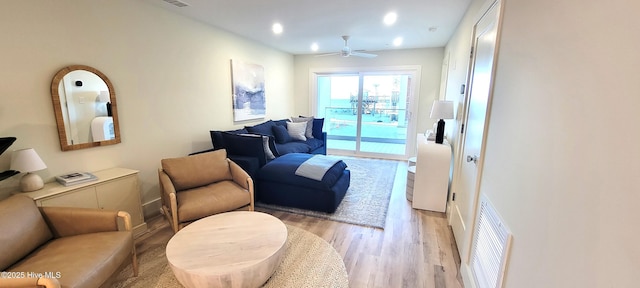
84,104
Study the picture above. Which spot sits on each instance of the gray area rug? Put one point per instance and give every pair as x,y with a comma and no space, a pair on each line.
367,200
309,261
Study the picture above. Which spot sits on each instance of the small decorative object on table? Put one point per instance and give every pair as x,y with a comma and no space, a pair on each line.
75,178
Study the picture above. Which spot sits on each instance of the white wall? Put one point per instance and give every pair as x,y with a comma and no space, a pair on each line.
561,163
171,77
429,59
457,56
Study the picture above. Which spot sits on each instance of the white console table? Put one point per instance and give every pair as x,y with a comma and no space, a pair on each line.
431,182
115,189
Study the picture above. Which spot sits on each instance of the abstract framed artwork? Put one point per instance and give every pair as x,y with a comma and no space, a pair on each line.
248,91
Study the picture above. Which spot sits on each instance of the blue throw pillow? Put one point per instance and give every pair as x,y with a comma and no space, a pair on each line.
317,127
282,122
218,141
241,145
281,134
262,128
247,145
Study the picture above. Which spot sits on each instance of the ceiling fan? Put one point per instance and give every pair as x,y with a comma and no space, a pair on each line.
346,51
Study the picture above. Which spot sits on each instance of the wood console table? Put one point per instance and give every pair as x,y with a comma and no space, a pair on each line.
115,189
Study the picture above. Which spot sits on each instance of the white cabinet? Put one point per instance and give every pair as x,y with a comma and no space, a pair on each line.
115,189
431,183
411,176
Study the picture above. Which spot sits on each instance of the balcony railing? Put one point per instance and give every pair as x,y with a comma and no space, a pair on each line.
383,125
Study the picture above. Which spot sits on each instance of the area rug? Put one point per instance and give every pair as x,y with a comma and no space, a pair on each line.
367,199
309,261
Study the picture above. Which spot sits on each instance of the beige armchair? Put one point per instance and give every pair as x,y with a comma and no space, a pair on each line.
201,185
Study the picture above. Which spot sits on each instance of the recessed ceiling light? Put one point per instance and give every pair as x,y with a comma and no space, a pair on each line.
390,18
277,28
397,41
314,47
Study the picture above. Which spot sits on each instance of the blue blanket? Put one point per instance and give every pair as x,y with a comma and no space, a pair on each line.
316,167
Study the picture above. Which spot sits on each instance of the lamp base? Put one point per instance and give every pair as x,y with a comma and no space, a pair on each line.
31,182
440,132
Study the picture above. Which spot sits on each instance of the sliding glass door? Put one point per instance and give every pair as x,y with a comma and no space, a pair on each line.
367,112
338,96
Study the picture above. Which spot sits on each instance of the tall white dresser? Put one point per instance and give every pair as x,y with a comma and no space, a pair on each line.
431,183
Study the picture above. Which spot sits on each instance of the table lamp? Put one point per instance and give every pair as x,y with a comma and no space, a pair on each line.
27,160
441,110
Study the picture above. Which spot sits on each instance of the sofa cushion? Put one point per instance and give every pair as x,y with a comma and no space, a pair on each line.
282,170
309,120
281,134
248,145
211,199
22,229
297,130
86,260
249,164
238,131
318,123
265,144
282,122
293,147
197,170
218,141
262,128
314,143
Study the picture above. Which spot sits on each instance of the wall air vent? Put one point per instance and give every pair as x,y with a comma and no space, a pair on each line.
490,247
176,3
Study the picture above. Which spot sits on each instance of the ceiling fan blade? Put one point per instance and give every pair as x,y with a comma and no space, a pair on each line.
365,55
346,51
328,54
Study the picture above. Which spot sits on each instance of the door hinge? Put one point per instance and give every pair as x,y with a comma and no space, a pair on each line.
462,129
471,54
453,197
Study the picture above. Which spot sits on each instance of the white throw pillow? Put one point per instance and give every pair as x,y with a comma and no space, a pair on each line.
267,150
309,120
297,130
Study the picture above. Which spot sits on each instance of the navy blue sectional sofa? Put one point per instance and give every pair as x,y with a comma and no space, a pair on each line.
254,146
271,155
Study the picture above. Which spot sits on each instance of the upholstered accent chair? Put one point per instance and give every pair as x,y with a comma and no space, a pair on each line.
200,185
62,246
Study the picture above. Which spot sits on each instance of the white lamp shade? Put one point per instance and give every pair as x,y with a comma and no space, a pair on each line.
442,110
26,160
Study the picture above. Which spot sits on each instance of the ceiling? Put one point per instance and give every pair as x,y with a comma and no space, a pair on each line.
421,23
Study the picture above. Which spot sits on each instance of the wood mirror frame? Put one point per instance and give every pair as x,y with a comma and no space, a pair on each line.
63,130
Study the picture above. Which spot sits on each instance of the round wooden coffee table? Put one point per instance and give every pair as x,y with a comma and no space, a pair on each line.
234,249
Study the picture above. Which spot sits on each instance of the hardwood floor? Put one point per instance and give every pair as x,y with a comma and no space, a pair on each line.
416,248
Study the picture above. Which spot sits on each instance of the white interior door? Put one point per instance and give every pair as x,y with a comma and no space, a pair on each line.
470,160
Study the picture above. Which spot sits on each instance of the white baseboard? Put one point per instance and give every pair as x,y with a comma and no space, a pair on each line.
467,278
152,208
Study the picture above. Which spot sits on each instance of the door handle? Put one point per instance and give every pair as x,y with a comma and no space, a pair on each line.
473,159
